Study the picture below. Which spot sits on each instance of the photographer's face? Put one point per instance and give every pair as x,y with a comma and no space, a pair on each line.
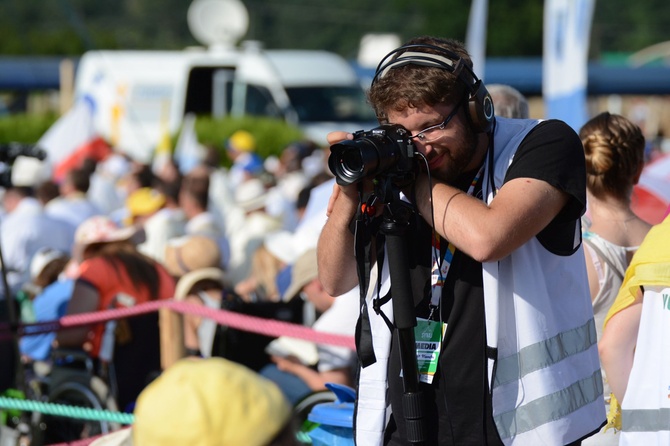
453,150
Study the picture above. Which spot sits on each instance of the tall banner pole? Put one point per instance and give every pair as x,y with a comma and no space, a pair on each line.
475,39
567,29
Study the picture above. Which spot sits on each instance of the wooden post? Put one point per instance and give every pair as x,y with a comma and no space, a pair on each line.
172,336
66,85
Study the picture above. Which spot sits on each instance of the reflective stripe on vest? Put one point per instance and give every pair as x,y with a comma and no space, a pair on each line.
550,407
645,420
545,353
559,404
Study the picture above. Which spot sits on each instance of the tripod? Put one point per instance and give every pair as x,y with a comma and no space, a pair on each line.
396,219
13,353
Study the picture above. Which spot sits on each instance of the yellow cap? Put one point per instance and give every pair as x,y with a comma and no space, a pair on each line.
144,201
209,402
242,141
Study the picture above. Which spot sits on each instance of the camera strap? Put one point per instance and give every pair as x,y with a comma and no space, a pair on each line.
368,267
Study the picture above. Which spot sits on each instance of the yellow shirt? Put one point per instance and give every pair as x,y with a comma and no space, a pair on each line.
650,267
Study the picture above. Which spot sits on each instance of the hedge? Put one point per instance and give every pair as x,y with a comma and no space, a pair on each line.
272,135
25,128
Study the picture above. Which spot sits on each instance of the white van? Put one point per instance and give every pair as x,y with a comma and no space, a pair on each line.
140,96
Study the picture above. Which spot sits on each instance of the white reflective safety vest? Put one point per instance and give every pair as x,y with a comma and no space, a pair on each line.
546,382
547,385
645,409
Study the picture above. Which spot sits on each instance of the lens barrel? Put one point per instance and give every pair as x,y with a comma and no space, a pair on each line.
368,155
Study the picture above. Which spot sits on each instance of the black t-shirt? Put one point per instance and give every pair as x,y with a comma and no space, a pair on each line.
458,409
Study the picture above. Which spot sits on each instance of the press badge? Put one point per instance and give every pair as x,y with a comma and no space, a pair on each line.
428,336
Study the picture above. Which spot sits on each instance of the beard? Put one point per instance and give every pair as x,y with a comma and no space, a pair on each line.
458,159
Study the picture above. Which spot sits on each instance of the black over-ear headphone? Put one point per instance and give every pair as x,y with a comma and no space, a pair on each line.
480,104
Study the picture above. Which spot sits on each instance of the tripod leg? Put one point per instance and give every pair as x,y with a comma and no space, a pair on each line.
405,321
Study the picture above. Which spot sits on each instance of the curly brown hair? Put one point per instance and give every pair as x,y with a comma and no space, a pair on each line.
412,86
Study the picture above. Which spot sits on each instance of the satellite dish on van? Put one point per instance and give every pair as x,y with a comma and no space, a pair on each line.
218,22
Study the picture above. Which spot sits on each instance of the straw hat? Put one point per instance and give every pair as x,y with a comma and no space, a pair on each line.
190,253
303,271
189,280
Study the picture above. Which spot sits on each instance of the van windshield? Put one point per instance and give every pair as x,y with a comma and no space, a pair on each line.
330,104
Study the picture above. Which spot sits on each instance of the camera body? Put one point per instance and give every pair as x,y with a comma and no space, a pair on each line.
385,151
9,152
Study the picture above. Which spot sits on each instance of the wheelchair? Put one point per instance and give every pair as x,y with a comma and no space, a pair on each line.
69,380
73,378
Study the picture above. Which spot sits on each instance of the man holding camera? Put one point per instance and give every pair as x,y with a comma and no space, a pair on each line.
495,262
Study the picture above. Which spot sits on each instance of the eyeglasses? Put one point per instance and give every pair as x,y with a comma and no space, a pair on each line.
432,133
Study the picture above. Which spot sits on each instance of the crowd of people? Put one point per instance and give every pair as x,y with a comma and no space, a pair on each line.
210,236
527,268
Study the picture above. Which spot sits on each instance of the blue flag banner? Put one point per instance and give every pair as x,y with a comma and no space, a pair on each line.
567,28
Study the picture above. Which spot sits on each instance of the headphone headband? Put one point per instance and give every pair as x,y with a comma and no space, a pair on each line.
414,58
405,55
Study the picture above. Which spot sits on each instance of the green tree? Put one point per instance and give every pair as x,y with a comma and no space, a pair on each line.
69,27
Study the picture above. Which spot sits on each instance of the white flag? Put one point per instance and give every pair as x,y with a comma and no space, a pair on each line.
188,152
567,28
69,132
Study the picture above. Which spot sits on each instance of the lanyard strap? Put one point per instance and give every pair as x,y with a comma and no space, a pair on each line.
440,269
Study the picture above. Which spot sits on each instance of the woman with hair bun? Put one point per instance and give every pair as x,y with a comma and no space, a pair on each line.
614,149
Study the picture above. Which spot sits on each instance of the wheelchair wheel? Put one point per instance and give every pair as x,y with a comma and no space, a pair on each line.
303,407
301,410
64,429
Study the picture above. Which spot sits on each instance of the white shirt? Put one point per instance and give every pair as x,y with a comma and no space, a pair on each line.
159,228
341,319
23,232
245,242
72,209
281,202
